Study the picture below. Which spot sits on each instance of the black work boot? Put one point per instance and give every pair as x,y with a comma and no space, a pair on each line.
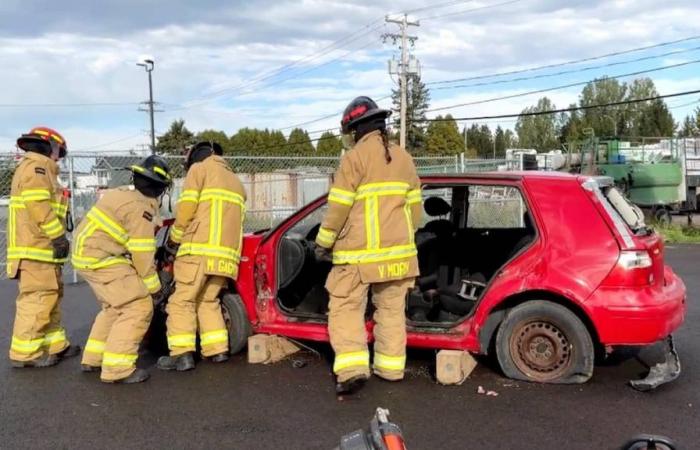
49,360
351,385
137,376
220,358
180,363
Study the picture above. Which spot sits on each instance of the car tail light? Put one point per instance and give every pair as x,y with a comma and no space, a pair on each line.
633,268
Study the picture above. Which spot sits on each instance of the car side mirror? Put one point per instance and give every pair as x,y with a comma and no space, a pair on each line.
649,442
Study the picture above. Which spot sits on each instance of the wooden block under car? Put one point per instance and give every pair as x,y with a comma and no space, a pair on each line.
266,349
453,366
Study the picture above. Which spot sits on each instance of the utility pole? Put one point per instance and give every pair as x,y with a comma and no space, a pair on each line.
148,64
403,67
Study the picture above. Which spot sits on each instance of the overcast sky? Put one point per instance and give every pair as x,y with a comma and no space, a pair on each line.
217,63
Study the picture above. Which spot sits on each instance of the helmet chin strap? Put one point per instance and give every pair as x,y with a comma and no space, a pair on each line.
55,150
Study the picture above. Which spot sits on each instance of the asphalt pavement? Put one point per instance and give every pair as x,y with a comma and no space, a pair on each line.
242,406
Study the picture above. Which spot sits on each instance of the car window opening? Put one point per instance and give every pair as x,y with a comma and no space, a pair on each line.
467,234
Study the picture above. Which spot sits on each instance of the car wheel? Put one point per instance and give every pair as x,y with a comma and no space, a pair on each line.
544,342
237,322
662,216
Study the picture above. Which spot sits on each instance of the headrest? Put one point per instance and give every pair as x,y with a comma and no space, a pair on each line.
436,206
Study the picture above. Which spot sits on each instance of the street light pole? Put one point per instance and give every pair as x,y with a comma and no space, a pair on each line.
148,64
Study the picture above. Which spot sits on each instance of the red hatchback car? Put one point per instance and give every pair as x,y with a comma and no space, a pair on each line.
541,268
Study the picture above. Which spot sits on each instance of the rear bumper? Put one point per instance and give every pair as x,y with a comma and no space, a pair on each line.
641,316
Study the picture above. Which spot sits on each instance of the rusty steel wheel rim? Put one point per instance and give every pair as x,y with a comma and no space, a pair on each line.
540,350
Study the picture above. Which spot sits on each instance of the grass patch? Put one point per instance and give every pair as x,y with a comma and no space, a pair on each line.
675,234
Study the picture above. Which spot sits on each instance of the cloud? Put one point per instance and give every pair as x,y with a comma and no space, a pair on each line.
219,58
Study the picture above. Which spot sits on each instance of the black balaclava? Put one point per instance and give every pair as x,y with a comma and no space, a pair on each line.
148,187
37,146
367,126
199,155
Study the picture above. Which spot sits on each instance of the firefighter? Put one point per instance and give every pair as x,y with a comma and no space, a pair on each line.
374,206
206,239
114,251
37,247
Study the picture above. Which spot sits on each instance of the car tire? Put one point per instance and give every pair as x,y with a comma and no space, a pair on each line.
237,322
544,342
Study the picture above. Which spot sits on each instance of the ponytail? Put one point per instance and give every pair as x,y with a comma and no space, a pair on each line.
385,140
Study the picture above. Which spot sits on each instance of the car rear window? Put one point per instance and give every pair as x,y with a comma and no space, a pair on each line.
627,211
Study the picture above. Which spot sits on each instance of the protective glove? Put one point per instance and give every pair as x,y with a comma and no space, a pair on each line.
61,247
171,248
167,287
323,254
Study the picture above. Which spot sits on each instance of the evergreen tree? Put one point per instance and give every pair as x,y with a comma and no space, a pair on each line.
443,137
418,101
299,143
329,145
175,139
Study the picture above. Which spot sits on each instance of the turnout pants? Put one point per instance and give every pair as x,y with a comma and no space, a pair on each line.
127,309
195,306
37,329
346,324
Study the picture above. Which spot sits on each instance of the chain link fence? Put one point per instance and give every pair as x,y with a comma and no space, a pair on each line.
275,186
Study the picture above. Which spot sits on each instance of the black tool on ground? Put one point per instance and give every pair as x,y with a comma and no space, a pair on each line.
382,435
661,373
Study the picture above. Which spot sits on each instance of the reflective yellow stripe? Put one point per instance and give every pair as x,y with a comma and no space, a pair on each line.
36,195
386,188
222,194
326,237
188,195
370,256
161,172
176,234
215,225
141,245
213,337
352,359
61,210
208,250
35,254
341,196
53,228
55,337
182,340
372,222
409,223
95,346
389,362
108,225
119,359
26,346
414,196
88,262
152,283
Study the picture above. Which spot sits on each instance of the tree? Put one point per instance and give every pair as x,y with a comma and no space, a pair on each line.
443,137
299,143
329,145
605,121
538,132
500,142
248,141
651,118
689,127
175,139
215,136
418,101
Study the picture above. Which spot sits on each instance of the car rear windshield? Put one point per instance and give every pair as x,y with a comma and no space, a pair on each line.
627,211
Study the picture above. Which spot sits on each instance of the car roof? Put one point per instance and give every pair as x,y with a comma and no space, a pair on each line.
506,175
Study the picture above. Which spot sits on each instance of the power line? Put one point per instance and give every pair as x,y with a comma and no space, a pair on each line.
565,86
329,116
562,110
576,61
566,72
439,5
108,143
480,8
64,105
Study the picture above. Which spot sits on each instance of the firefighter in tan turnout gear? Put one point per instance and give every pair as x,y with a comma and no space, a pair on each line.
206,237
114,250
374,207
37,247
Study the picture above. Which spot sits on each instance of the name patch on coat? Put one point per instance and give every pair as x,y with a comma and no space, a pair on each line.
148,216
40,170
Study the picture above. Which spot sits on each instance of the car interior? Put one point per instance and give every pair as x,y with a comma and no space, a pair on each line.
468,233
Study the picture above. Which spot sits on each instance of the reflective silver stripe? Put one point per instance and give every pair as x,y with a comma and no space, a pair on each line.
369,256
382,361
